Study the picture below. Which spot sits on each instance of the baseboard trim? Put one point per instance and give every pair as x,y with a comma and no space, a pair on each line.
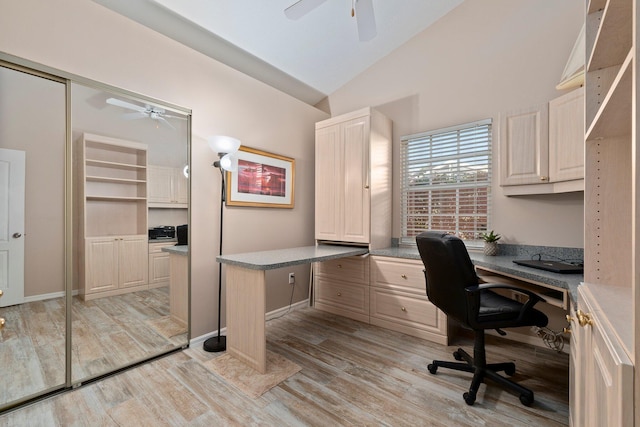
43,297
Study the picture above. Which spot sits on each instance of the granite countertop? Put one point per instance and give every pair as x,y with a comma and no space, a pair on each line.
178,250
270,260
503,264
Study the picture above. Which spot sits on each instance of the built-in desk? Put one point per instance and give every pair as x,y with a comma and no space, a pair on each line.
246,294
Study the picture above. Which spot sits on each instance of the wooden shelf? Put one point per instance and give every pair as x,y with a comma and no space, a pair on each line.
115,165
613,40
115,180
613,118
596,5
116,198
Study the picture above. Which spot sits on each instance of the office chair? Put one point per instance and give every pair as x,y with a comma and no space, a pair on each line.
453,286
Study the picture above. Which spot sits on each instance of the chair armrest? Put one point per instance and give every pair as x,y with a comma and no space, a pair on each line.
473,296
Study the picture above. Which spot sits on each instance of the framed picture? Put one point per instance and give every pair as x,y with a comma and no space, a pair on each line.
262,180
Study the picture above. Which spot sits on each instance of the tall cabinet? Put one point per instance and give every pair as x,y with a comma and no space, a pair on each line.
353,179
111,190
603,375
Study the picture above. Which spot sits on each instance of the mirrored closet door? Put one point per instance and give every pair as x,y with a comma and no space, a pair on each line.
33,234
94,195
130,158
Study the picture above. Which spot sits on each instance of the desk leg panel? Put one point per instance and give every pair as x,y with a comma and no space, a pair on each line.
246,306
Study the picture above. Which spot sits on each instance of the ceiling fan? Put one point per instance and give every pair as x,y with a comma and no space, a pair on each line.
362,10
140,112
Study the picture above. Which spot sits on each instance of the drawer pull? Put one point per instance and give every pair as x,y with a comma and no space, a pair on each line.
339,294
403,309
339,265
404,276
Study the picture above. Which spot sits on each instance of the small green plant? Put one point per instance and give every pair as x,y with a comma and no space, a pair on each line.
490,236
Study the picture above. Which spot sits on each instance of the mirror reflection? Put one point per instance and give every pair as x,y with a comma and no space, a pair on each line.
131,196
32,234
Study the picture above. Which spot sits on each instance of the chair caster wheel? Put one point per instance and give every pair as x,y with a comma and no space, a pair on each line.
432,368
457,355
526,400
469,398
510,370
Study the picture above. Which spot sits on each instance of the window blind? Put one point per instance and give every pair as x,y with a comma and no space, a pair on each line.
446,182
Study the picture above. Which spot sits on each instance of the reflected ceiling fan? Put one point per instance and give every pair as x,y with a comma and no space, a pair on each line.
140,112
362,10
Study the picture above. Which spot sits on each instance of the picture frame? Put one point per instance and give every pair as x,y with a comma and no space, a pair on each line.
263,180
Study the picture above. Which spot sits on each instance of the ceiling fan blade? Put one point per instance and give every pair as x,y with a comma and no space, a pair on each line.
366,20
301,8
164,122
134,116
124,104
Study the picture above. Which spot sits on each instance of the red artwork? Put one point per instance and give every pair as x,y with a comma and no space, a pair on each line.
258,178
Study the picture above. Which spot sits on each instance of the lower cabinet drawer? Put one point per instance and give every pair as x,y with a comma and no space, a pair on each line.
345,299
409,314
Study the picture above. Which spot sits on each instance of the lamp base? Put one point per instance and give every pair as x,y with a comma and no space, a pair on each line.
215,344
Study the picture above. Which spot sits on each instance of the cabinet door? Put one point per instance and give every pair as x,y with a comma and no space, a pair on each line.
180,187
356,206
160,184
133,261
566,137
158,265
602,389
101,269
328,182
524,147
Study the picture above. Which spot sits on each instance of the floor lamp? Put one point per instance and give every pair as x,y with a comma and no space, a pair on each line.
226,148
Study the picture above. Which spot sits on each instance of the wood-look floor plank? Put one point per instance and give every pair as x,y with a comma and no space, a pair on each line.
352,374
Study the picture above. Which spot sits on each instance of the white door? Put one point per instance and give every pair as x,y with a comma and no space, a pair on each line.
12,181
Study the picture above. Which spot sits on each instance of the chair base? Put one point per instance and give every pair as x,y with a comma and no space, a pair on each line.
480,369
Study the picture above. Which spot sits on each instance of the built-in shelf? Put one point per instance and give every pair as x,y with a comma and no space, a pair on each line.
613,40
115,180
116,165
613,117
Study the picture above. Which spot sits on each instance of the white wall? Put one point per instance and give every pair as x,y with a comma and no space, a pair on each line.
82,37
482,59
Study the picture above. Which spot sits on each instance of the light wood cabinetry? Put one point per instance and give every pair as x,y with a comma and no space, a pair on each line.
610,293
399,300
353,179
342,287
601,372
111,190
159,264
167,187
542,148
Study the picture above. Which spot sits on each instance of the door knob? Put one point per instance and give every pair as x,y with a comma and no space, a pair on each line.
2,322
16,235
1,293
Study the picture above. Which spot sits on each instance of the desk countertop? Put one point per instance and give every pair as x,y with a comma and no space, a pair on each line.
270,260
503,264
177,250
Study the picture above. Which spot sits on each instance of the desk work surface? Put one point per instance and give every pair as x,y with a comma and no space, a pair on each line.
279,258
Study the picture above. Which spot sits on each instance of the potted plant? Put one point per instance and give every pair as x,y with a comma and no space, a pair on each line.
490,243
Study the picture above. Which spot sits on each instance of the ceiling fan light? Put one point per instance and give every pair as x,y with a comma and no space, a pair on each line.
223,144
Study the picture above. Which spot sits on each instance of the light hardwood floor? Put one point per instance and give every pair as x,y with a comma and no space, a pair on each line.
107,334
352,374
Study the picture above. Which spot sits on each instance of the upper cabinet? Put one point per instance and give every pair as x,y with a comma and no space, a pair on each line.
353,179
542,147
167,187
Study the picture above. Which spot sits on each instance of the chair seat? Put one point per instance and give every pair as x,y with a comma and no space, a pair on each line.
495,308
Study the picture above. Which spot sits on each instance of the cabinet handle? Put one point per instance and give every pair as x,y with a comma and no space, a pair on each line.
403,309
544,178
339,265
1,293
404,276
2,322
584,319
339,294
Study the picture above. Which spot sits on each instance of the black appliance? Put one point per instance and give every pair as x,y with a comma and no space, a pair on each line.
162,232
183,234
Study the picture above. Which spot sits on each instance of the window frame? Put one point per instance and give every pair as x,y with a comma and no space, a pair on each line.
439,138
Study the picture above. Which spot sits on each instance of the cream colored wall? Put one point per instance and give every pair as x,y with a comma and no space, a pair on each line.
483,58
83,38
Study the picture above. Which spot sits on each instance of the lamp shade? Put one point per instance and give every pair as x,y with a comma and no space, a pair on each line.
223,144
229,162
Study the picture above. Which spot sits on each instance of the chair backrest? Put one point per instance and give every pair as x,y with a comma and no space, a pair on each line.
449,271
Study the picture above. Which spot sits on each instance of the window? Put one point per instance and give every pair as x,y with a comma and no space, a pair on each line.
446,182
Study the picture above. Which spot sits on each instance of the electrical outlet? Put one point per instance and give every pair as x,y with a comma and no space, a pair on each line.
292,278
